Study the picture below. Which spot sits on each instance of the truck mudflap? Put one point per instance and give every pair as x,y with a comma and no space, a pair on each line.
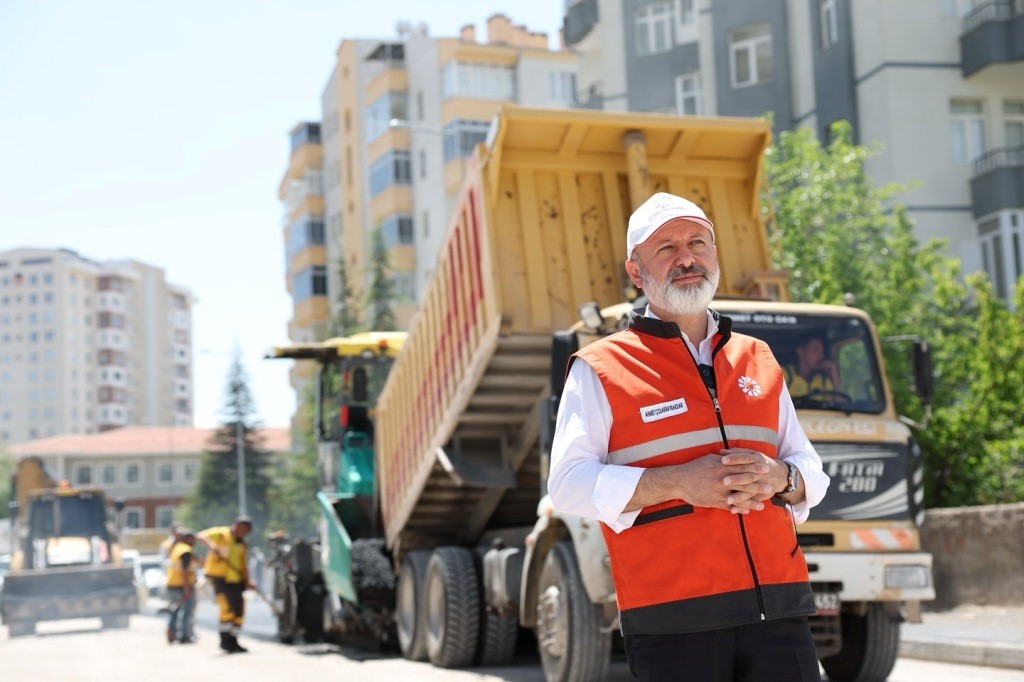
71,592
874,577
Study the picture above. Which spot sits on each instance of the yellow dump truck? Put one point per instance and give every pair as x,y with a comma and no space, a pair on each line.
66,561
464,421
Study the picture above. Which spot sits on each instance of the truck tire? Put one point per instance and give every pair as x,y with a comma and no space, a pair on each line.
498,635
572,646
870,646
411,606
453,607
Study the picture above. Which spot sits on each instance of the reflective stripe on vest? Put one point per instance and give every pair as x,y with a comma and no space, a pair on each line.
682,568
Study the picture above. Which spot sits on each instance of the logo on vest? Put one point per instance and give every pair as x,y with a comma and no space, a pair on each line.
749,386
662,410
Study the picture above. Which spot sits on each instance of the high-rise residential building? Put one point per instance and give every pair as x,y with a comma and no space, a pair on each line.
939,83
400,117
89,346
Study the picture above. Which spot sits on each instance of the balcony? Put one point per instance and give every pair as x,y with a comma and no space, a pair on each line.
993,32
998,181
580,18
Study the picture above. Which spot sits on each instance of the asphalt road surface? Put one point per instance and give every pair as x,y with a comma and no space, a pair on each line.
79,650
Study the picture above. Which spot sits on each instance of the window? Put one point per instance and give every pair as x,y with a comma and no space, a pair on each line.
305,133
419,105
562,87
164,516
1013,122
132,473
653,23
165,473
397,229
108,474
479,80
390,105
750,55
189,471
393,168
1001,240
83,474
461,137
422,161
689,96
829,23
311,281
966,130
306,232
133,517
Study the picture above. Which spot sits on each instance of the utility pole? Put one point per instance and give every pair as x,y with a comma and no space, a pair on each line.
240,454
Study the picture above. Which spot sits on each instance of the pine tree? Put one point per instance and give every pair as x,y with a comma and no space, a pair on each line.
381,295
215,500
346,321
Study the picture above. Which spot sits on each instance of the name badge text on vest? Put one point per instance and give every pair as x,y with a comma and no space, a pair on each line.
662,410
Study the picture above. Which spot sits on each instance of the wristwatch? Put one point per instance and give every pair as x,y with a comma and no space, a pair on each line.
792,479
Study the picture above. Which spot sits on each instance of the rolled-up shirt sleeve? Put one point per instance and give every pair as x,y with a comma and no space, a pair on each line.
580,481
796,448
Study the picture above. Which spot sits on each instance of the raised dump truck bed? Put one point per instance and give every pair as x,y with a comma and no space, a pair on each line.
538,230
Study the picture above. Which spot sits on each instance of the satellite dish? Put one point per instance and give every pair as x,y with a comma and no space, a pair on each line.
403,28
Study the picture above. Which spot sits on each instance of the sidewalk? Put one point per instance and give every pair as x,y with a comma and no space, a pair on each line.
971,635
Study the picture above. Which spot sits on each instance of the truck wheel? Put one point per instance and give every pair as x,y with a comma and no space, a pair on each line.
286,622
411,606
120,621
21,629
572,646
498,635
453,607
870,646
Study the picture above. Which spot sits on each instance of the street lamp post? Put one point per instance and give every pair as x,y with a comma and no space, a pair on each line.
240,454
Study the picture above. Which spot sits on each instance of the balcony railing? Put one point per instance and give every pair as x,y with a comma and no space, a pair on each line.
995,10
1003,157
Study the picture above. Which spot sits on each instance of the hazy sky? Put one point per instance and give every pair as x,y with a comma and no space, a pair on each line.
158,131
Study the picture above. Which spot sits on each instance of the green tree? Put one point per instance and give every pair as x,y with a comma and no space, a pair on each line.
294,508
215,499
6,471
835,235
346,321
380,297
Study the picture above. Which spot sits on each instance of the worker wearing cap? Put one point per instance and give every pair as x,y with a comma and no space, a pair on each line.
681,438
226,568
181,587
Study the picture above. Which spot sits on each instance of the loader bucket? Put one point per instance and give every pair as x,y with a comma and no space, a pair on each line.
69,592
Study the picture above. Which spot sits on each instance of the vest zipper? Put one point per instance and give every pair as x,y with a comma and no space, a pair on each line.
713,392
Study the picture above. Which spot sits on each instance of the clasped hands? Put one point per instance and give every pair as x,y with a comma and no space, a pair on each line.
737,479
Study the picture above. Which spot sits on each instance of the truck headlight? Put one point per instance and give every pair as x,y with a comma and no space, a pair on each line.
906,576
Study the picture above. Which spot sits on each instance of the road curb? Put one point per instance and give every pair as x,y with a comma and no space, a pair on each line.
966,652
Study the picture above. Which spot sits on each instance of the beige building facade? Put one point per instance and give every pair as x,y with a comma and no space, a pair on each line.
87,346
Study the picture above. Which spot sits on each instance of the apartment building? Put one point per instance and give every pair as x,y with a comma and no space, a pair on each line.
400,116
150,468
88,346
938,83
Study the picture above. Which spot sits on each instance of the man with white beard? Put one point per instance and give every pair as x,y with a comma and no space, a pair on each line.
680,437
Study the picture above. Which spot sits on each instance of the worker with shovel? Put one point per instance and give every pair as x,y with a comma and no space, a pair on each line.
226,568
181,587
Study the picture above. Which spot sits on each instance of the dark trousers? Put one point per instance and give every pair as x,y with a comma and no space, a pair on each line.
773,650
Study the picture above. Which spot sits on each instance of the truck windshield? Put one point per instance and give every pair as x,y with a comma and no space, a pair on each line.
829,361
67,515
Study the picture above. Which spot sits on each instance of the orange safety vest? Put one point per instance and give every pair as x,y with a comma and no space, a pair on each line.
682,568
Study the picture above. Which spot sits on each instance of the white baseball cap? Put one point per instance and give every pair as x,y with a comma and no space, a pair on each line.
654,213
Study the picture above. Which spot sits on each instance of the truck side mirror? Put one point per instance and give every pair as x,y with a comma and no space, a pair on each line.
923,378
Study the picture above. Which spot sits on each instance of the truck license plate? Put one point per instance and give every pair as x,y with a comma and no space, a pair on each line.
827,603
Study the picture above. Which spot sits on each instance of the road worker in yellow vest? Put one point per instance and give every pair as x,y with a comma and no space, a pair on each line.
182,562
226,568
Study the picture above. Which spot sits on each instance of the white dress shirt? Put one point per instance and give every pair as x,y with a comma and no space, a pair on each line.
581,481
